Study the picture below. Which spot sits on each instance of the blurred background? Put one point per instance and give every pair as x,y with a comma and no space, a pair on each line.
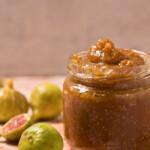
37,36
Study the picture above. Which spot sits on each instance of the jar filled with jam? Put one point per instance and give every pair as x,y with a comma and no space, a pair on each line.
107,99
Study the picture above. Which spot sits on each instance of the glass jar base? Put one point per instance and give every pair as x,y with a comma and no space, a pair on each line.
108,148
140,146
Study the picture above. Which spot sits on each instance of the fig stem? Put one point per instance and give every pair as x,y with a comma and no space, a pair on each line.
9,83
1,83
0,132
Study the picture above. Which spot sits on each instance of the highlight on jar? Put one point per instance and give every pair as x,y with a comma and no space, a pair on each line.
106,99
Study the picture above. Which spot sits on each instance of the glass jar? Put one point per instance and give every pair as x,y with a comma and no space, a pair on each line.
107,114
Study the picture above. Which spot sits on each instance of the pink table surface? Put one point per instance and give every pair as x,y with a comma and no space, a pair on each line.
25,85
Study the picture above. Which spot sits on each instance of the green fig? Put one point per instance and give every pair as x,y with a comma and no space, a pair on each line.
14,128
12,103
46,101
41,136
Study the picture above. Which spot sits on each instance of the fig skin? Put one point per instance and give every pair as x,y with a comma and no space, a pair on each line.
15,134
41,136
12,102
46,102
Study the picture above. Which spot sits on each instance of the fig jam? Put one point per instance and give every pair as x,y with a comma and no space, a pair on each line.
107,99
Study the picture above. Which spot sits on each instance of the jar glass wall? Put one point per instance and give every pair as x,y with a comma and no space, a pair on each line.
107,114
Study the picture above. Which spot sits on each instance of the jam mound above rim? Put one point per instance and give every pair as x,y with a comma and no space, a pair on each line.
132,74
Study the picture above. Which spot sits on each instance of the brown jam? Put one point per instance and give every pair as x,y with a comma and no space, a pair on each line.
105,52
107,99
103,57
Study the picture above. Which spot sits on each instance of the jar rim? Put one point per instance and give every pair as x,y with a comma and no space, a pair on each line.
74,70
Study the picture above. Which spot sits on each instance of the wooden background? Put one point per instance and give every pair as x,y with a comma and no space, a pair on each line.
37,36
